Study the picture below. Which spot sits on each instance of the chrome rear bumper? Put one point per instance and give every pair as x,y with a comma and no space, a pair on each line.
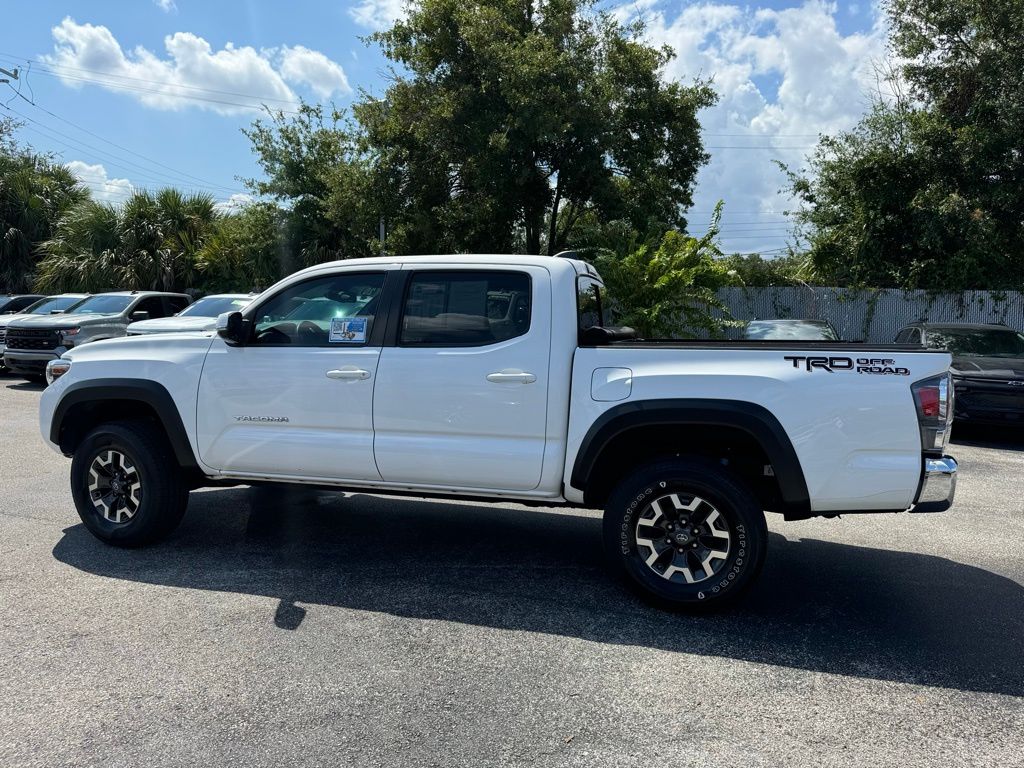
938,485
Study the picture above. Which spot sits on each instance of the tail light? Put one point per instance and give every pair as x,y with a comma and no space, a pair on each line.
934,400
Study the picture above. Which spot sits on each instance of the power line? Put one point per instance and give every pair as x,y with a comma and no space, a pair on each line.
110,158
763,135
764,146
125,148
750,237
165,94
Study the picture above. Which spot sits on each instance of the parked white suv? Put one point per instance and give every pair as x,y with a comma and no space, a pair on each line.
496,378
201,315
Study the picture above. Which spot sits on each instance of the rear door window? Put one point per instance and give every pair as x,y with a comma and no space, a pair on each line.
471,308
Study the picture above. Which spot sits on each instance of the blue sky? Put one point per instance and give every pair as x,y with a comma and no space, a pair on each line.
154,92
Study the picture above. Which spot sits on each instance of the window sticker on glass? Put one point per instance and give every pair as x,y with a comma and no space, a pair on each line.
348,330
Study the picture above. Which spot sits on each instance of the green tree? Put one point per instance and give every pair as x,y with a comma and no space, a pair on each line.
34,192
928,190
507,125
317,171
149,242
670,290
506,121
754,270
244,252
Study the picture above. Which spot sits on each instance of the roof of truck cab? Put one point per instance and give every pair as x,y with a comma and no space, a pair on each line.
931,326
481,259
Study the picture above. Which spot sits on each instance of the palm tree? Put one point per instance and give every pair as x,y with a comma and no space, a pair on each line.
81,255
34,193
150,242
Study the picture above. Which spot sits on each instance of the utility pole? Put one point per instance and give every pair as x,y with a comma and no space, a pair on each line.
13,75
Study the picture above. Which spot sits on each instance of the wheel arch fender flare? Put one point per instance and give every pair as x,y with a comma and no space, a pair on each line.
145,391
754,419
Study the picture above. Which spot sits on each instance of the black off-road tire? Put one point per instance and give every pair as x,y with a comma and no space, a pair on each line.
147,514
664,493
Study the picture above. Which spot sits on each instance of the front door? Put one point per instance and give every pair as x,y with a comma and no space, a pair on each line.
461,400
296,399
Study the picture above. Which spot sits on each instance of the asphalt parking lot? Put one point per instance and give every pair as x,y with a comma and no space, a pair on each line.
325,629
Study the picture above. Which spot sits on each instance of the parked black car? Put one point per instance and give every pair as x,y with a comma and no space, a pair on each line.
790,330
988,368
12,303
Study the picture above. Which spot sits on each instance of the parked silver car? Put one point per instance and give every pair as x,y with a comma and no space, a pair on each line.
198,316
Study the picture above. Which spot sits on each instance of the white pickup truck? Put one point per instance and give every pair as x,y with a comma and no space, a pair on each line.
495,377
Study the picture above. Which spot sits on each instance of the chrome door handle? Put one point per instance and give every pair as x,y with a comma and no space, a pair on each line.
511,377
350,374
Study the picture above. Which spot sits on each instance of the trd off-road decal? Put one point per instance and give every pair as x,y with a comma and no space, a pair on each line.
882,366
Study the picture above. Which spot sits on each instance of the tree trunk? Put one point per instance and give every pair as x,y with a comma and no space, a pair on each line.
533,235
553,228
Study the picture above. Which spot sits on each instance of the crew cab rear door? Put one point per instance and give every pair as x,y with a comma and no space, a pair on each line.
461,397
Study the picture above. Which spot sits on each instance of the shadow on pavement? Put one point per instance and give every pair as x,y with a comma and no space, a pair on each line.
21,384
818,606
1007,437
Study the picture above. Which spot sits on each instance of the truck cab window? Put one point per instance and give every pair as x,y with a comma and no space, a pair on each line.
465,308
590,303
312,314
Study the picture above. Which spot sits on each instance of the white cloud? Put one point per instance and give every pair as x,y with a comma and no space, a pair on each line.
323,76
228,81
103,188
233,204
377,14
167,6
783,77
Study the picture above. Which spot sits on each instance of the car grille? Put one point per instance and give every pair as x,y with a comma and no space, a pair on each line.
23,338
3,335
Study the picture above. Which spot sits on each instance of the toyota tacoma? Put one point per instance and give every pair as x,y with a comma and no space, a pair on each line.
500,378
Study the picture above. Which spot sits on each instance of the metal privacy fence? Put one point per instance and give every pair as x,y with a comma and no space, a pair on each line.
874,316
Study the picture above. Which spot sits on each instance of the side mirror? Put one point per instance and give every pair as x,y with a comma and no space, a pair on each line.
231,327
137,316
56,311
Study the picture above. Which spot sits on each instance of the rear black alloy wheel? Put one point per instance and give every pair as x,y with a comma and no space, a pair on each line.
684,538
685,533
127,485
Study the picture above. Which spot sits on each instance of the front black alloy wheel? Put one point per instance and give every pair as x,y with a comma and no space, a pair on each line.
685,533
115,487
127,485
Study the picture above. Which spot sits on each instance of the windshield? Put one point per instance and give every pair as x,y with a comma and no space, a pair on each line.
977,342
53,304
801,330
103,305
212,306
